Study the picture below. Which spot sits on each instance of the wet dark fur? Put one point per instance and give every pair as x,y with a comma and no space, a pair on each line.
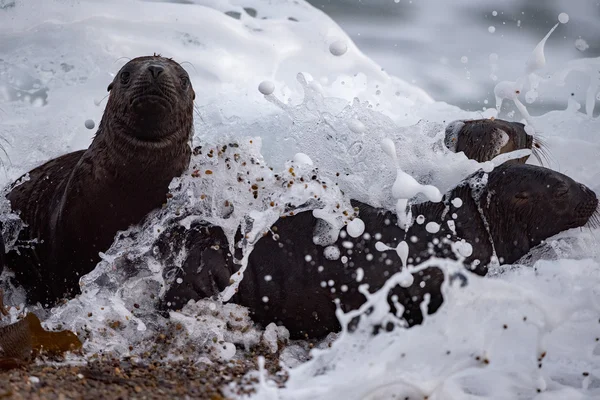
480,139
75,204
2,251
523,205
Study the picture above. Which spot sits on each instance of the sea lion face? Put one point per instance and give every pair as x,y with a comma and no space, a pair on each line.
484,139
152,97
525,204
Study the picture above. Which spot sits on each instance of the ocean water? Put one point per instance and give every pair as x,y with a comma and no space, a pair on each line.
424,42
296,87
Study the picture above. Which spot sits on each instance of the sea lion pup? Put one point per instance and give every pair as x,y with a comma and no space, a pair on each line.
75,204
483,139
291,281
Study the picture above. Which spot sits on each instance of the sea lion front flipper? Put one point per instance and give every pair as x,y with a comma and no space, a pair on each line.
205,271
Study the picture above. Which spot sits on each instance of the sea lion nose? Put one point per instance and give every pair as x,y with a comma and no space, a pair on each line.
155,70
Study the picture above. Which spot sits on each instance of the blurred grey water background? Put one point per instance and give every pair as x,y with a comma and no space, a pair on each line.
449,47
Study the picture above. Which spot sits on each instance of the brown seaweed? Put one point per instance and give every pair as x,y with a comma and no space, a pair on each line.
3,310
24,340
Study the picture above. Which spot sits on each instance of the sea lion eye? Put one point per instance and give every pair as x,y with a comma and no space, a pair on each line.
561,191
185,81
125,77
522,196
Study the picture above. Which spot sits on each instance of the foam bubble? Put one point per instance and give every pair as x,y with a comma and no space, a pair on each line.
332,252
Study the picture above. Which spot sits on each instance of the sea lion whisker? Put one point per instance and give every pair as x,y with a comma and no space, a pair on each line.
537,156
542,156
594,220
197,111
120,58
5,154
539,138
544,153
187,62
98,103
591,222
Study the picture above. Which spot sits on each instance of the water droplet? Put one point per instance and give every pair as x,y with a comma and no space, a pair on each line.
432,227
581,44
563,18
355,149
266,87
356,126
338,48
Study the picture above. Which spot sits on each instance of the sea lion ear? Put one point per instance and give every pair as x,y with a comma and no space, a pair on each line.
193,95
110,86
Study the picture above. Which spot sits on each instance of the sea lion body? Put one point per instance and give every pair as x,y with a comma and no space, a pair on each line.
74,205
291,281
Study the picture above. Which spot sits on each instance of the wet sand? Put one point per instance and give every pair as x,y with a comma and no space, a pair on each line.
123,379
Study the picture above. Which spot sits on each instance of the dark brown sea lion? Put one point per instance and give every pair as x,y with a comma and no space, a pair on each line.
484,139
291,281
75,204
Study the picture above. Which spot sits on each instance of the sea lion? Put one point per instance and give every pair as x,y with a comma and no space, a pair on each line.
291,281
484,139
74,205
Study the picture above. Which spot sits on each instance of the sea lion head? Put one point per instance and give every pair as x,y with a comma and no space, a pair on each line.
484,139
152,98
526,204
